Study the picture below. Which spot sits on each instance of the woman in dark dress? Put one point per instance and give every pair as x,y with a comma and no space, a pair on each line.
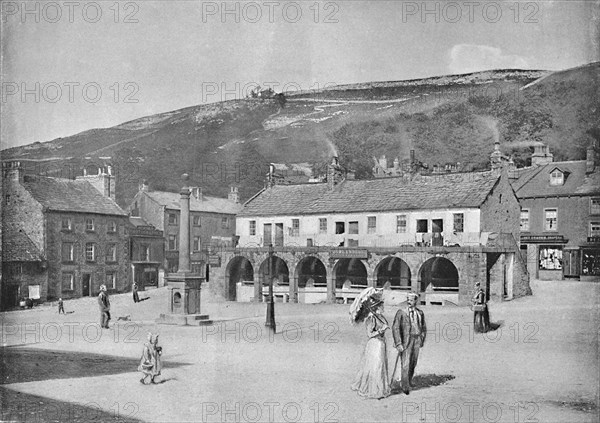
481,317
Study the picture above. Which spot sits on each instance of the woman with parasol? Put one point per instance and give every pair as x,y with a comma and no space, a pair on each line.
372,378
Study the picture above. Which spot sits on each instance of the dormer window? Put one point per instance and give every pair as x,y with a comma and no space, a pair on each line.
557,177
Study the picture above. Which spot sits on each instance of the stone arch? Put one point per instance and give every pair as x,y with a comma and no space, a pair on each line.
440,273
238,269
392,270
311,267
351,269
281,272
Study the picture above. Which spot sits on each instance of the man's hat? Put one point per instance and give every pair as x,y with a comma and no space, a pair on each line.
102,287
412,295
477,284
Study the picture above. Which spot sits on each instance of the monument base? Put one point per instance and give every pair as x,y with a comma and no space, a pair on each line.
184,320
184,300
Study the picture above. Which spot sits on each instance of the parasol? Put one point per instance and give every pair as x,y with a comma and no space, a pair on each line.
363,304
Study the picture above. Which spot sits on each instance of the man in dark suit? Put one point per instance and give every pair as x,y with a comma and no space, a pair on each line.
409,331
104,305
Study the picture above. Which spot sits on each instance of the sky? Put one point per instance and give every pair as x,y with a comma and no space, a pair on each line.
72,66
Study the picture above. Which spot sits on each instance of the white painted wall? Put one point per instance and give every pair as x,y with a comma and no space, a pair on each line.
385,234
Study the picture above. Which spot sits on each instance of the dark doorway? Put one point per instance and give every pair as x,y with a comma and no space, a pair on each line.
437,226
86,279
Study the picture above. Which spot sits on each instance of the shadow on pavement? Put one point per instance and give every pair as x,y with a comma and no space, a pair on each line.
430,380
29,364
19,407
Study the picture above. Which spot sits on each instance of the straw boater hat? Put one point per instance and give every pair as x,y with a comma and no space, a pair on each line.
412,295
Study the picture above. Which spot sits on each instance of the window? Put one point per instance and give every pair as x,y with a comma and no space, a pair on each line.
594,228
590,265
172,242
90,251
323,225
111,253
557,177
295,227
594,205
353,243
459,222
422,225
371,224
68,251
111,280
353,227
550,219
524,220
144,252
196,220
550,257
196,244
66,224
172,219
7,198
252,227
340,227
111,227
68,282
224,223
400,223
89,225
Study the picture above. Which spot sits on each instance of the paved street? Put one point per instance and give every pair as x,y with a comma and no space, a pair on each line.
541,365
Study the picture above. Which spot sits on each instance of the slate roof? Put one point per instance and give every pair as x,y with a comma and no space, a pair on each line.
17,246
535,182
208,204
58,194
374,195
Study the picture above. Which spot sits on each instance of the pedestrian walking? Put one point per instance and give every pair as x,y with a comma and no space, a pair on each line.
61,307
409,332
104,304
481,316
150,362
372,380
136,298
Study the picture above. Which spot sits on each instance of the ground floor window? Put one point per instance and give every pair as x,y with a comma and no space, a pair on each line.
551,257
590,262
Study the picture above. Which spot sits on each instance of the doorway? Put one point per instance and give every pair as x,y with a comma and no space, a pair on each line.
86,280
437,227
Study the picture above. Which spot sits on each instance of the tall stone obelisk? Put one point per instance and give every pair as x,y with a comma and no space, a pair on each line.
184,286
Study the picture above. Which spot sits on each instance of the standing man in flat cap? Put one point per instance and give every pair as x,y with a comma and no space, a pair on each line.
409,331
104,304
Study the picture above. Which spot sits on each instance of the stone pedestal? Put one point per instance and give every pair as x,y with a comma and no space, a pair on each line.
184,301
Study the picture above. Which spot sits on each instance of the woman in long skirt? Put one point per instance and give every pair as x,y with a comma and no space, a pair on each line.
372,378
150,363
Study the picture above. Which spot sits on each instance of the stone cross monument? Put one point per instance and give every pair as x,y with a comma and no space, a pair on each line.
184,286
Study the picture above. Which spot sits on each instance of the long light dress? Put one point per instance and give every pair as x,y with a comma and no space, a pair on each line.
372,378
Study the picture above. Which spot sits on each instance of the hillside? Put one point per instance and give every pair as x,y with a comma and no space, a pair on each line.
445,119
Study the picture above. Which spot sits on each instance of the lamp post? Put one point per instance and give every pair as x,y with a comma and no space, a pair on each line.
270,322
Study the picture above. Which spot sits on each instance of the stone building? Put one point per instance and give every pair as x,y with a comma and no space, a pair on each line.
212,221
560,215
147,253
436,235
73,231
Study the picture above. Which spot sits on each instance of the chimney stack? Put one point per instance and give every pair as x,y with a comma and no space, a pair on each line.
104,182
541,155
13,171
591,159
144,186
233,195
196,193
334,173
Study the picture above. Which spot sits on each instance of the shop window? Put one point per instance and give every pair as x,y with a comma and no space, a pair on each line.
591,262
551,258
